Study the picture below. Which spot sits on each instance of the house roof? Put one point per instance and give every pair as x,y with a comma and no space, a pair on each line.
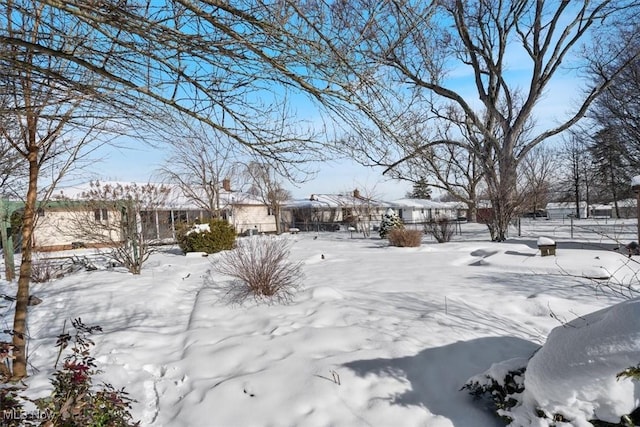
564,205
426,204
334,201
176,198
347,200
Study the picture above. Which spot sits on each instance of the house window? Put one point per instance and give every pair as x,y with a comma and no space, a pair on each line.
40,212
178,217
270,211
100,215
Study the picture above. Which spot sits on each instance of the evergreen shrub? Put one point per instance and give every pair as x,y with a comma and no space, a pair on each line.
218,235
390,220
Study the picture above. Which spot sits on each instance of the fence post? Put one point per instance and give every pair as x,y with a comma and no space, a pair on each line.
6,234
636,189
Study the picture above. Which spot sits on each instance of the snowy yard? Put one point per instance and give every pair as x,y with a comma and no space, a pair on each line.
378,335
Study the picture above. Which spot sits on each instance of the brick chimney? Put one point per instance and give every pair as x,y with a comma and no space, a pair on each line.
356,194
226,184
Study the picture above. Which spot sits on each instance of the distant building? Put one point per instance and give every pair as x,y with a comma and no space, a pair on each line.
55,223
333,212
560,210
416,211
600,211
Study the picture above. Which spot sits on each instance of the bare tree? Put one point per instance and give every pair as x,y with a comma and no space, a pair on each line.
576,180
227,65
538,171
49,123
264,183
611,166
448,167
397,57
118,217
618,109
366,208
72,67
199,164
11,170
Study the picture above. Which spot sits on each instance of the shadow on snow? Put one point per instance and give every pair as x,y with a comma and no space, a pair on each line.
436,376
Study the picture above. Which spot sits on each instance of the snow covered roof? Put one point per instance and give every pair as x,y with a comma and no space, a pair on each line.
602,207
334,201
176,198
565,205
426,204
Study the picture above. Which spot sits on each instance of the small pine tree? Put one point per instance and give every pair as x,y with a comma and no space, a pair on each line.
390,220
421,190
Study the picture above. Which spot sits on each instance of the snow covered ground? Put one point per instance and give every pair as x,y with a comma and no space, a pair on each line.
378,335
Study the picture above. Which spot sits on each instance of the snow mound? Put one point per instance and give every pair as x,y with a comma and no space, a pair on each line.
199,228
574,373
545,241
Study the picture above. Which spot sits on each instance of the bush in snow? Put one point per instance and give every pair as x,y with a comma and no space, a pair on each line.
218,235
632,372
584,374
390,220
404,238
74,401
260,267
10,404
42,270
499,386
441,229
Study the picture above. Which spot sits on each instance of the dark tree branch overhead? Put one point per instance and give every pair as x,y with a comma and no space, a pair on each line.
510,51
394,74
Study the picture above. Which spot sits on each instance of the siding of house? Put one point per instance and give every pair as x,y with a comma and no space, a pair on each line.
58,228
557,210
61,229
331,212
252,217
420,210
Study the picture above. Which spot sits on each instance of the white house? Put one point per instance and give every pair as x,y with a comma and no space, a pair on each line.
560,210
601,211
332,212
57,221
423,210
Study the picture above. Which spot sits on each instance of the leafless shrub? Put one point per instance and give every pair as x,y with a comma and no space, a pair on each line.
441,229
261,268
117,216
42,270
404,238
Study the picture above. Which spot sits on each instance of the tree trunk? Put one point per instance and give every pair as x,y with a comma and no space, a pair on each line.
503,197
277,214
22,296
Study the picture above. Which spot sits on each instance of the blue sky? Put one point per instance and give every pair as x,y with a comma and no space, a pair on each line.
140,162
